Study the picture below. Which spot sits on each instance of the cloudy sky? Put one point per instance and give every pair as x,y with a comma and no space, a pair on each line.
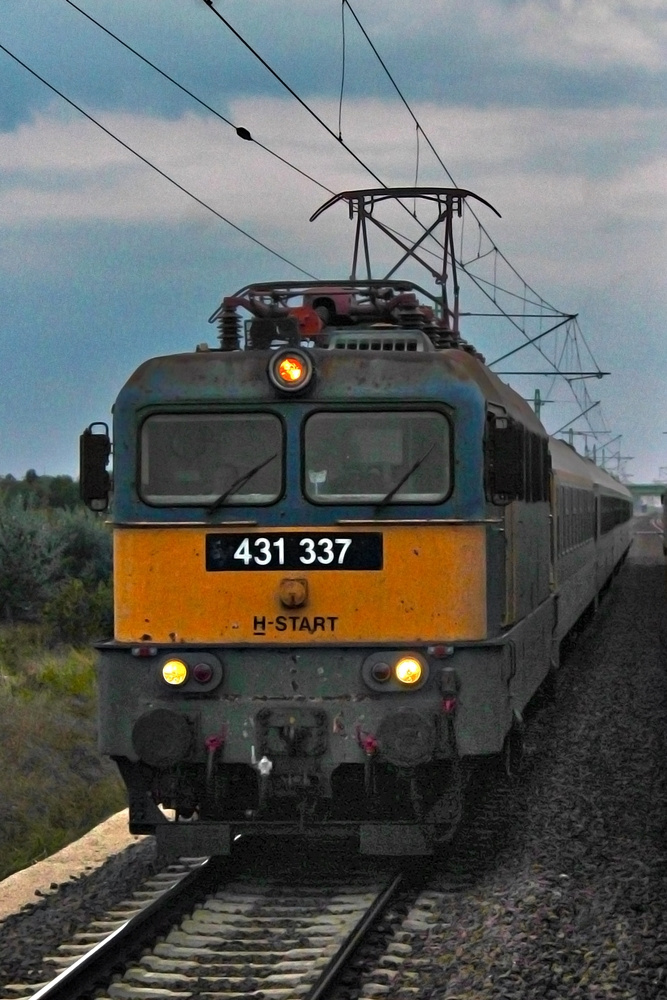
552,110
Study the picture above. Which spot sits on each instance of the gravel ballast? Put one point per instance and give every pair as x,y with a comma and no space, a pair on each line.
569,872
39,927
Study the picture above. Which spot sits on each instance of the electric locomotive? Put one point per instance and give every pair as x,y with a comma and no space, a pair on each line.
336,569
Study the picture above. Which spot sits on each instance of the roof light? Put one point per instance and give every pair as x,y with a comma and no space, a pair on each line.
408,670
290,370
175,672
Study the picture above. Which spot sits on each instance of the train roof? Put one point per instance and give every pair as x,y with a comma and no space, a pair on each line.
570,464
213,375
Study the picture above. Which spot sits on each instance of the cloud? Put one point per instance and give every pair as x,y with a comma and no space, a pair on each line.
517,52
589,34
565,181
584,34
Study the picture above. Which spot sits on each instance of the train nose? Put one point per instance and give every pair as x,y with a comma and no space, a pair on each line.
162,738
407,738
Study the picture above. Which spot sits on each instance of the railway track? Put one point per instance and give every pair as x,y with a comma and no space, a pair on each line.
100,949
201,930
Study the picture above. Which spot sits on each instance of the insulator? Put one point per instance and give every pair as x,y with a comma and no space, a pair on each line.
443,339
411,319
229,325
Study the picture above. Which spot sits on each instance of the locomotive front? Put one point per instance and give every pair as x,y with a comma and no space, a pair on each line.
291,570
311,587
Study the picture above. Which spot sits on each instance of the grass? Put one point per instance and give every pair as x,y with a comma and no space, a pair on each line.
54,785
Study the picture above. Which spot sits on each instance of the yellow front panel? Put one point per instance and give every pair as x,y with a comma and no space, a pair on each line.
432,588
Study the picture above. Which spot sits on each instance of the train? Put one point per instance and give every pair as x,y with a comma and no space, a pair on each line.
346,555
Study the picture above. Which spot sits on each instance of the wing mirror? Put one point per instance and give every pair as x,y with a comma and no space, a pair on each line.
94,480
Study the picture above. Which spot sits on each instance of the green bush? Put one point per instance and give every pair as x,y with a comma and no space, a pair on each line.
41,491
78,613
54,785
71,676
83,542
55,589
58,563
30,554
18,644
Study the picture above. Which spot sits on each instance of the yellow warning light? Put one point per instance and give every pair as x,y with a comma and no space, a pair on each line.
175,672
290,370
408,670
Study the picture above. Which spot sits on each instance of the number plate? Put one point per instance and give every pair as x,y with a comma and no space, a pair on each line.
296,550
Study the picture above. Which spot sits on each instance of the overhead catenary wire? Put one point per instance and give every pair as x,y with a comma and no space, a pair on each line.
342,77
495,250
404,100
245,134
306,106
283,83
154,167
241,131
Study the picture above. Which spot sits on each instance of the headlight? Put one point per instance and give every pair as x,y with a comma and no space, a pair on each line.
395,670
290,370
408,670
175,672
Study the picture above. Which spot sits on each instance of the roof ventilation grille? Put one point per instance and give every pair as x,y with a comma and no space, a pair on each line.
395,341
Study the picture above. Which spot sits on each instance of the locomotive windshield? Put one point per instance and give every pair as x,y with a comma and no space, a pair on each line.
197,458
377,457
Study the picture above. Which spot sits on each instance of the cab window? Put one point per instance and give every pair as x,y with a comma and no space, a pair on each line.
368,458
194,458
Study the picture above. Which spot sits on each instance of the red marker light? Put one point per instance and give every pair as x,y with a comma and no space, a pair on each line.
202,672
144,651
381,672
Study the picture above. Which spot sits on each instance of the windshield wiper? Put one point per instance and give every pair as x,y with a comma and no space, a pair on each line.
241,481
413,468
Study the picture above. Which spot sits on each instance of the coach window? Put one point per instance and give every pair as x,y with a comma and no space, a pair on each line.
194,458
372,457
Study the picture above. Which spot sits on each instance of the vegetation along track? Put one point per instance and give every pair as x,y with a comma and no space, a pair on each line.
208,928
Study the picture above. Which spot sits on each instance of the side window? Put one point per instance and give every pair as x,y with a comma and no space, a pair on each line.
505,460
518,464
613,511
528,456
